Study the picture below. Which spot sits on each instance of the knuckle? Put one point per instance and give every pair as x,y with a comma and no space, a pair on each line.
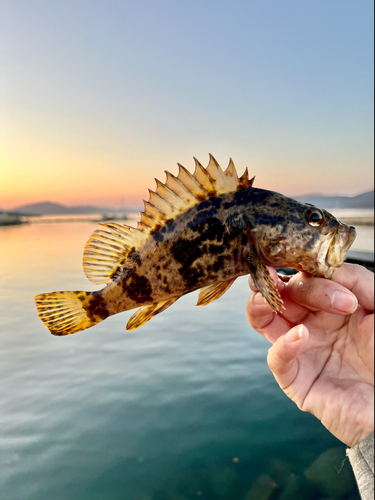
271,361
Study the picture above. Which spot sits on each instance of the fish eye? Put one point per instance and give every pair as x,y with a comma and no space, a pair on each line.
314,217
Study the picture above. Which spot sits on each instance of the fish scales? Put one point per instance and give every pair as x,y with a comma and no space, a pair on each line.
198,231
198,248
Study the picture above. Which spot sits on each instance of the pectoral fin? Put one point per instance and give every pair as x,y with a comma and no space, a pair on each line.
213,292
145,313
261,276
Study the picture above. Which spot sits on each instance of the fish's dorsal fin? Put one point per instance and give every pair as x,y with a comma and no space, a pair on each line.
243,181
218,176
213,292
231,176
145,313
180,193
204,178
106,251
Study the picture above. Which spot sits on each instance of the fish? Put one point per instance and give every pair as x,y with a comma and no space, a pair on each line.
197,231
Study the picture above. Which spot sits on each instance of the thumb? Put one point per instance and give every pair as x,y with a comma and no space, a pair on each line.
282,357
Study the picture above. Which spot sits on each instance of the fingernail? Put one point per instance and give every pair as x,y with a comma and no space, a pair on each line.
259,300
344,302
294,334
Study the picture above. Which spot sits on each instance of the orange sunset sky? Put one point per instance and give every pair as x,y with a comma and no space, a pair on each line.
98,98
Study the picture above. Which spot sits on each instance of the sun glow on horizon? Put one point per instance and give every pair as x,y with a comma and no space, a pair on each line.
93,112
124,187
32,175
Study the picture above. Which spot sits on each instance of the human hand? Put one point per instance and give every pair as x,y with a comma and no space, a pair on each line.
325,364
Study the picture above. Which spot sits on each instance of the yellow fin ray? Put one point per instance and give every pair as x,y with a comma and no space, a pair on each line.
170,196
204,179
180,193
155,212
145,313
243,181
213,292
218,175
161,204
180,189
231,177
106,251
191,183
63,313
149,221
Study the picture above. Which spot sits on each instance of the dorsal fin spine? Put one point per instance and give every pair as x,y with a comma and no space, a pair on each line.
145,228
167,194
192,183
244,180
148,220
231,176
204,178
180,189
161,204
231,168
217,174
155,212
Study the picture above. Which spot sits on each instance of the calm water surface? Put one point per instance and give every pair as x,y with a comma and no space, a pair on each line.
183,408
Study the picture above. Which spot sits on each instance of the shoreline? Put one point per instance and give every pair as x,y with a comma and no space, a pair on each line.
367,221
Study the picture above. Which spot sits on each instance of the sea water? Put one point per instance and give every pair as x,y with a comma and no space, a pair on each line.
183,408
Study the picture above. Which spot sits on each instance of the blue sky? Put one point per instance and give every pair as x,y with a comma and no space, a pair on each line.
98,98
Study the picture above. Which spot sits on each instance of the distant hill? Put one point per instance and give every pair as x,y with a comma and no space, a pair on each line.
48,208
364,200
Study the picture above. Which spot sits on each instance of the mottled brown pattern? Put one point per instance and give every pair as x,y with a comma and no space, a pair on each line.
96,309
212,241
208,244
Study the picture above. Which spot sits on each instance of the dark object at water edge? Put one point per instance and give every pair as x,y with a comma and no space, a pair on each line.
10,219
365,259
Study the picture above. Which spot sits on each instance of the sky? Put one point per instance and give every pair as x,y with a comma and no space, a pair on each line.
97,98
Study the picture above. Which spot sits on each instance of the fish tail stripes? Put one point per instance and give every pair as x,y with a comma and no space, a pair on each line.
64,313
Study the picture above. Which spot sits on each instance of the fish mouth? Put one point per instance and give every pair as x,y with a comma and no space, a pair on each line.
336,248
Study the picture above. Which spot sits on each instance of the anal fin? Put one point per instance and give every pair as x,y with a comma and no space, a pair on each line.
145,313
213,292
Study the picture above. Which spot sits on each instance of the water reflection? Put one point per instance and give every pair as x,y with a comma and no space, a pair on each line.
181,409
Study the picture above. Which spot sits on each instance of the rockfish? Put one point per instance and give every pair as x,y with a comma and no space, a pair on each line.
197,231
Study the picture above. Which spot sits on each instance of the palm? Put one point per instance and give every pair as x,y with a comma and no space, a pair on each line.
336,373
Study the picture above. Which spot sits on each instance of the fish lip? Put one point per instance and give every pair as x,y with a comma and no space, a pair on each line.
323,267
340,243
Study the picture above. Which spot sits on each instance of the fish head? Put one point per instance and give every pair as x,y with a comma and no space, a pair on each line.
302,237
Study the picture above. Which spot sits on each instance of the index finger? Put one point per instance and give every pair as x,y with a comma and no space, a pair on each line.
359,281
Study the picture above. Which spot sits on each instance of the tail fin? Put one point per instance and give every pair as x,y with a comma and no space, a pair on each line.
64,313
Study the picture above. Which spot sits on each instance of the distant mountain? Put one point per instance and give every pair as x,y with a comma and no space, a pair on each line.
48,208
364,200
